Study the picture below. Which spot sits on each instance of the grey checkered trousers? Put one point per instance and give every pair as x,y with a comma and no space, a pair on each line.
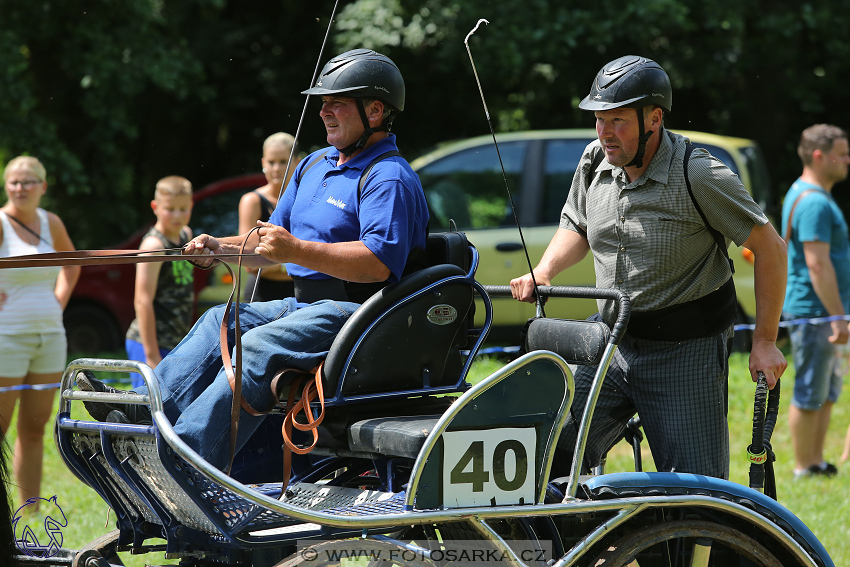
679,390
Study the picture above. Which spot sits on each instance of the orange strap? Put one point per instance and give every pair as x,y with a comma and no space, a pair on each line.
313,389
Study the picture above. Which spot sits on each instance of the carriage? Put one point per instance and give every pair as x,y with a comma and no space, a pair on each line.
414,466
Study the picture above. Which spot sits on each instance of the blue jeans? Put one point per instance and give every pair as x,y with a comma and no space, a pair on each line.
277,334
816,380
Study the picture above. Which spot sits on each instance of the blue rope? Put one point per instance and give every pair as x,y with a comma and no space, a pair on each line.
483,351
56,385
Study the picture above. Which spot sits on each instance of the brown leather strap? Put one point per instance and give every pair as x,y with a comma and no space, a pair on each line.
98,257
791,213
286,432
313,389
234,372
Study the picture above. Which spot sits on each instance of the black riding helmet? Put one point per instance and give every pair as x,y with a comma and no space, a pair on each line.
630,82
363,73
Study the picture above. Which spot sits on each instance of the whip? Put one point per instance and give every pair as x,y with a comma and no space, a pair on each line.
502,166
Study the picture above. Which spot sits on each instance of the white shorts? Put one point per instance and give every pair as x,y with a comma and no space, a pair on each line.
34,353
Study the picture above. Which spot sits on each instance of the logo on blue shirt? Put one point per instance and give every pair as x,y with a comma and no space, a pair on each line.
335,202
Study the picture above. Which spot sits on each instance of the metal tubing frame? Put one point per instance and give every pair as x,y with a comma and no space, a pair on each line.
490,535
427,517
587,416
622,507
623,314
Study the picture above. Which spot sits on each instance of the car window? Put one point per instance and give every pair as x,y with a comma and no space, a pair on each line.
759,177
467,186
217,215
562,157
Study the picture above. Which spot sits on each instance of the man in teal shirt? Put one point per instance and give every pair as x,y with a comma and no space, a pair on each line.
818,286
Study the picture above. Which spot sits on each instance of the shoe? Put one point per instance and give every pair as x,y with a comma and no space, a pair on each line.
553,495
117,416
823,469
88,383
135,413
803,473
827,469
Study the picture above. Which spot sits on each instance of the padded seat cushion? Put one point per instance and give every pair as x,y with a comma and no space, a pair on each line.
394,436
578,342
334,432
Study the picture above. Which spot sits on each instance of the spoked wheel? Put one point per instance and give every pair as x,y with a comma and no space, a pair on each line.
355,553
687,544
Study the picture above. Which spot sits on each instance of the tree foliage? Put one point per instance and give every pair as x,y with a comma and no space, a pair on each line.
114,95
751,68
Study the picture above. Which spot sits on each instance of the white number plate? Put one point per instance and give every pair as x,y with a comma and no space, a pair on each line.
490,466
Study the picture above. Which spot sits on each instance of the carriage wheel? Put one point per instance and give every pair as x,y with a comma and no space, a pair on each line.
686,543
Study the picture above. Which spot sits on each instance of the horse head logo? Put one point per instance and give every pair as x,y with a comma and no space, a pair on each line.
36,537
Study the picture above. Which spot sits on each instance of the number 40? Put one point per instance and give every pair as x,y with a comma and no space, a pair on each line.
478,476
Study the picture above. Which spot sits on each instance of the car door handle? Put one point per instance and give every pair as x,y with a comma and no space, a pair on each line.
509,246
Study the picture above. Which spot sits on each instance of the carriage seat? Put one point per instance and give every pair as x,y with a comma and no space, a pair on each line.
404,339
401,436
577,342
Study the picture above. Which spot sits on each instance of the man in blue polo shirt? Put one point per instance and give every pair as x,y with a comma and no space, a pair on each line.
350,221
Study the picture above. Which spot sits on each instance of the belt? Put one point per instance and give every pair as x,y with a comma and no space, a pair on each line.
703,317
309,291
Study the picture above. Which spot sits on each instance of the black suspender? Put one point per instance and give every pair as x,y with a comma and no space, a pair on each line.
368,169
718,237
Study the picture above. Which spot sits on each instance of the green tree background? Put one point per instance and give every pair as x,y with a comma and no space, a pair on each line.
112,95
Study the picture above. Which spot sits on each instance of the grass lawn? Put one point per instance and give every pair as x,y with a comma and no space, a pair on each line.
820,503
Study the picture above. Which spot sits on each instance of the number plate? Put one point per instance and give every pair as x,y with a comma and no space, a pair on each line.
489,467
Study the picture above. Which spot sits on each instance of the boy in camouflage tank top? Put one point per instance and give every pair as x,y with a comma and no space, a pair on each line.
164,291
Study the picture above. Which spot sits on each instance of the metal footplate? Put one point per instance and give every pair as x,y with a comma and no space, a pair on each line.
341,500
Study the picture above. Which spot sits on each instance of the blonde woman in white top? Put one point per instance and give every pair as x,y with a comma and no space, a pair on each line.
33,349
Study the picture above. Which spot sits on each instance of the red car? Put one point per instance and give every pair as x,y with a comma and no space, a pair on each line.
101,307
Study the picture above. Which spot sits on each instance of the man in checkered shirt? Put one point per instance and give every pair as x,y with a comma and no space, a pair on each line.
655,232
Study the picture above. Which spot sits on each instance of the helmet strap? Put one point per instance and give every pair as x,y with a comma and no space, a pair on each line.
643,138
367,131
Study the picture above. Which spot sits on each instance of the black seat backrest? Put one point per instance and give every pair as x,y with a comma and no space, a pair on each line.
415,344
578,342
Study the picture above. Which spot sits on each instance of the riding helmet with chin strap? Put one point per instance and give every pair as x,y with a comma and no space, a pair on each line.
363,73
631,82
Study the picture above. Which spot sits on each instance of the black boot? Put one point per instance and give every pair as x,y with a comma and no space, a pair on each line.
88,383
135,413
